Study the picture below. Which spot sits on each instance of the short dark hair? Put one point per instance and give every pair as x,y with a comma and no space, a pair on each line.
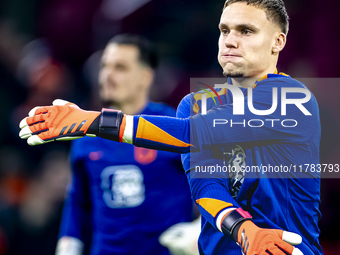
147,51
274,9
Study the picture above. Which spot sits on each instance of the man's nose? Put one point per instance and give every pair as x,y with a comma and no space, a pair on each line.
107,74
231,40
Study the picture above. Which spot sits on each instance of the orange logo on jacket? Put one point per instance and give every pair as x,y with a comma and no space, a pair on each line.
144,156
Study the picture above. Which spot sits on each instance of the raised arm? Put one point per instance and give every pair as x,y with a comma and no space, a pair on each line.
66,121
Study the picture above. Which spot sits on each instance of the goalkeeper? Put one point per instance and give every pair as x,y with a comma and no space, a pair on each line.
242,212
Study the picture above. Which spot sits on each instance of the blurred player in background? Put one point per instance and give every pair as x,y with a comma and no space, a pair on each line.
116,204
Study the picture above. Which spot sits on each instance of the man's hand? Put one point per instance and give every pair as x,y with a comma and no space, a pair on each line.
62,121
255,240
66,121
68,245
182,238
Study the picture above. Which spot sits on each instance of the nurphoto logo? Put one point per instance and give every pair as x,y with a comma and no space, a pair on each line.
239,105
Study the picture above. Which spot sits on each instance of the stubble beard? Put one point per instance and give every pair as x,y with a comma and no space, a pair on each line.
233,74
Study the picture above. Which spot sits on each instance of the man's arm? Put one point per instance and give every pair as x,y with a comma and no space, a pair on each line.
65,121
221,210
75,227
211,194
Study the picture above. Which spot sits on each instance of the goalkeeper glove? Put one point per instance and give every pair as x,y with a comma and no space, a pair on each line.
254,240
66,121
68,245
182,238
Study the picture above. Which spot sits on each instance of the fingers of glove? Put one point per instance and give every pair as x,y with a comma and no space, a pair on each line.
63,102
32,112
25,132
38,110
31,125
60,102
35,140
35,115
23,123
291,238
270,240
38,128
274,250
36,119
296,251
284,246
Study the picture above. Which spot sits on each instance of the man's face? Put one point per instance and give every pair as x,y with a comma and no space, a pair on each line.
121,74
246,42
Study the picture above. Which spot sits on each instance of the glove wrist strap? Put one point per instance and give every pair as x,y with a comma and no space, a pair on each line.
232,222
109,124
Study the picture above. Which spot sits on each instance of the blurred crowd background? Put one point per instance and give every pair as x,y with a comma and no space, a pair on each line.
51,49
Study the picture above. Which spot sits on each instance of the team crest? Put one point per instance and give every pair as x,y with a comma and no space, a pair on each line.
123,186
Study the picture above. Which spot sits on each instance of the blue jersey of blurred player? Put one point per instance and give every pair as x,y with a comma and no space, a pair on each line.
116,204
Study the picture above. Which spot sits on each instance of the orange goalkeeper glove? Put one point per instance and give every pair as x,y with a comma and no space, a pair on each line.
66,121
254,240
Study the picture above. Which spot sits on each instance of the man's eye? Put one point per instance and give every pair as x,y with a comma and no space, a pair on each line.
120,67
246,31
224,31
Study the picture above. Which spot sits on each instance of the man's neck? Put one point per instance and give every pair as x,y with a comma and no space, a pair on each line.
248,82
244,82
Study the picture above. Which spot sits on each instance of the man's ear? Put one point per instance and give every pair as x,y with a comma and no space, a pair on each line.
279,44
147,77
